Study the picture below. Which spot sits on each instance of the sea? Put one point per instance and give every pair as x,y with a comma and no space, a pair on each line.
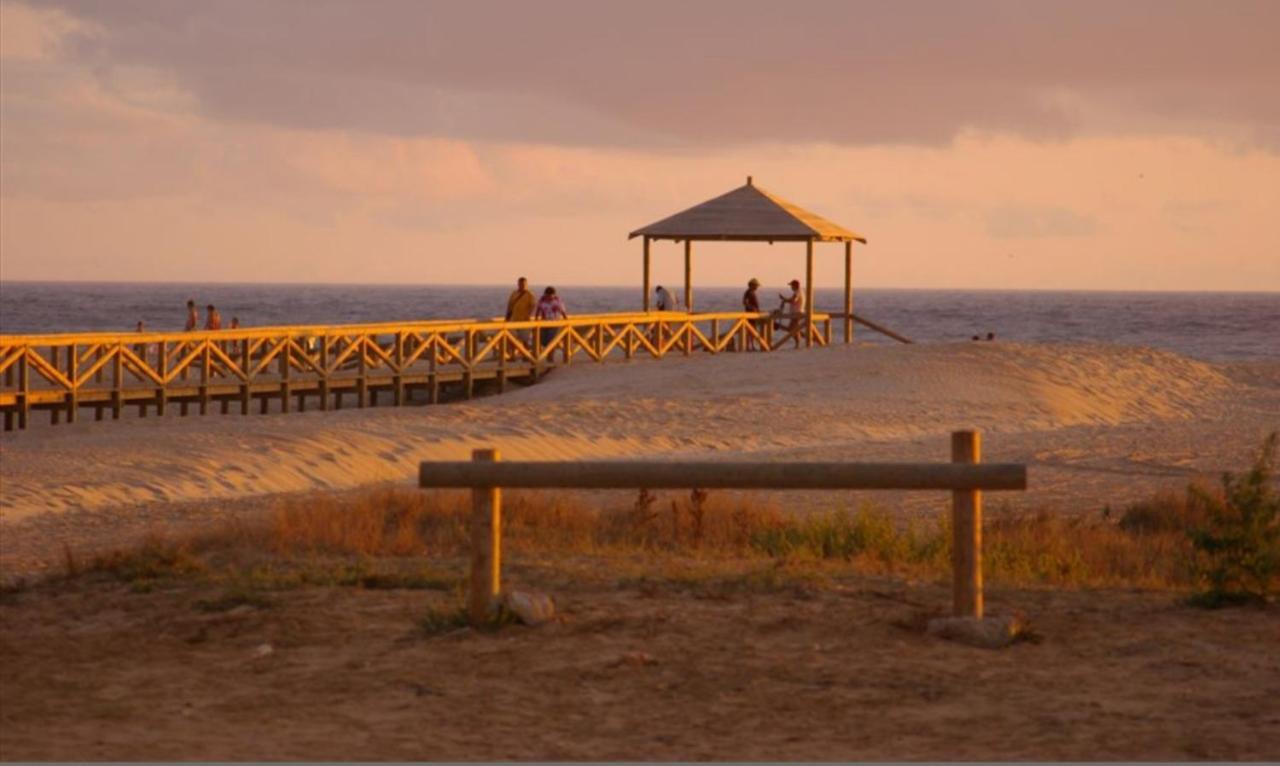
1209,326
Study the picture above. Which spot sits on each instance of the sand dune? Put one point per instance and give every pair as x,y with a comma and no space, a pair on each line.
1103,414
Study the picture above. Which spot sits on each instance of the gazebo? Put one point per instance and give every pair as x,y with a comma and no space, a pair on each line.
751,214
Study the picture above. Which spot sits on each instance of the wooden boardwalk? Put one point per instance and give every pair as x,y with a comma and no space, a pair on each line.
328,367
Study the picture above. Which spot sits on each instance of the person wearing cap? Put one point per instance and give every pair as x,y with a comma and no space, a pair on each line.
793,307
751,305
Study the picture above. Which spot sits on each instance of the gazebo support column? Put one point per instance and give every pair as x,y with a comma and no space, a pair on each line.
688,276
647,278
808,292
848,291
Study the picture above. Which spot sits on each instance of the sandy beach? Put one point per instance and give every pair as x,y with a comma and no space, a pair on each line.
1097,426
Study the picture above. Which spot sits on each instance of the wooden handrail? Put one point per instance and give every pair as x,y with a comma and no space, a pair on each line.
61,373
966,476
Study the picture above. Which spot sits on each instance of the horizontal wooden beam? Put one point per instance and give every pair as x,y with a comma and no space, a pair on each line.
722,475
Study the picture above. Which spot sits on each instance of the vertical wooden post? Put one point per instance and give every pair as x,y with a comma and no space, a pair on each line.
469,353
24,390
398,381
848,291
966,525
206,362
808,293
73,372
688,276
647,278
433,380
324,376
286,363
362,382
715,336
486,544
246,362
162,393
117,382
55,414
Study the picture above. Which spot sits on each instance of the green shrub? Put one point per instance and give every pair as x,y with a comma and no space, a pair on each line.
1237,545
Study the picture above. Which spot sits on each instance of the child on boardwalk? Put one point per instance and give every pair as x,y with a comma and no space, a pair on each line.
550,307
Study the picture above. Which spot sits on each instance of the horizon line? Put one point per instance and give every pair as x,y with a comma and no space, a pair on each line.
1240,291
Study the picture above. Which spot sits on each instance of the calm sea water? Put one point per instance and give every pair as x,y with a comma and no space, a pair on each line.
1215,326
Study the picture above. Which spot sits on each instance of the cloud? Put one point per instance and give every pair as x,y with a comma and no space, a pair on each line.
675,74
1019,222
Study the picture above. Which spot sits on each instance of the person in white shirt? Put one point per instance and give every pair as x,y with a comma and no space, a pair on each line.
792,306
664,300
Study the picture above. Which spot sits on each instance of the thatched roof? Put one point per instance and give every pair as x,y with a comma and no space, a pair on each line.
748,213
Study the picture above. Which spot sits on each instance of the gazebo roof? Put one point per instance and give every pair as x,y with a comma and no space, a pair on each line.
751,214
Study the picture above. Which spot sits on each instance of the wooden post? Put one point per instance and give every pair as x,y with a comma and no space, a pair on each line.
433,380
398,381
286,358
362,382
848,291
24,390
647,279
246,394
688,276
117,382
324,376
73,372
469,353
486,544
161,392
966,525
206,362
808,293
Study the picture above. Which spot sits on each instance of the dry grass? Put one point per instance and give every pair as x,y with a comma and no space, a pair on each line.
413,539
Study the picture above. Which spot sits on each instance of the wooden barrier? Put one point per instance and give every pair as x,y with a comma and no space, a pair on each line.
965,476
62,374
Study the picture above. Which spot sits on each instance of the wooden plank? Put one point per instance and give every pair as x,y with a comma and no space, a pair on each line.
724,475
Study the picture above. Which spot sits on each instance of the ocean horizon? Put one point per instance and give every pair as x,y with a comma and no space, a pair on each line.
1206,325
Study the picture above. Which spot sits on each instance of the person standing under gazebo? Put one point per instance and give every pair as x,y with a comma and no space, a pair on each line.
793,307
751,305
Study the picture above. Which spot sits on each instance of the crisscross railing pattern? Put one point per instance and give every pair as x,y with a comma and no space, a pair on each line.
326,366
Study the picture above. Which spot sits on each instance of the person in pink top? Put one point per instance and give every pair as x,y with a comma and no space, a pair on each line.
213,320
549,307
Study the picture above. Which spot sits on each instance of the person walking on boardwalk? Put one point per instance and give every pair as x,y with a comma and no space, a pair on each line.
520,309
550,307
212,319
792,306
193,317
751,305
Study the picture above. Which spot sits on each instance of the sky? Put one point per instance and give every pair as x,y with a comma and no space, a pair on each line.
986,144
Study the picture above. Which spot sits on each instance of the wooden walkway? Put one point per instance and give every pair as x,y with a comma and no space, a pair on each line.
328,367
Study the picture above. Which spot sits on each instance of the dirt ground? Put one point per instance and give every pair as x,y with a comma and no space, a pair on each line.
740,668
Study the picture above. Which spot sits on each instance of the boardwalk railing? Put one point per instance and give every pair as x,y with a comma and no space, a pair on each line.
965,476
324,365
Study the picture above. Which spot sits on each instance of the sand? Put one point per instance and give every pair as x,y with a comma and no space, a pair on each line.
1097,425
646,669
635,672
